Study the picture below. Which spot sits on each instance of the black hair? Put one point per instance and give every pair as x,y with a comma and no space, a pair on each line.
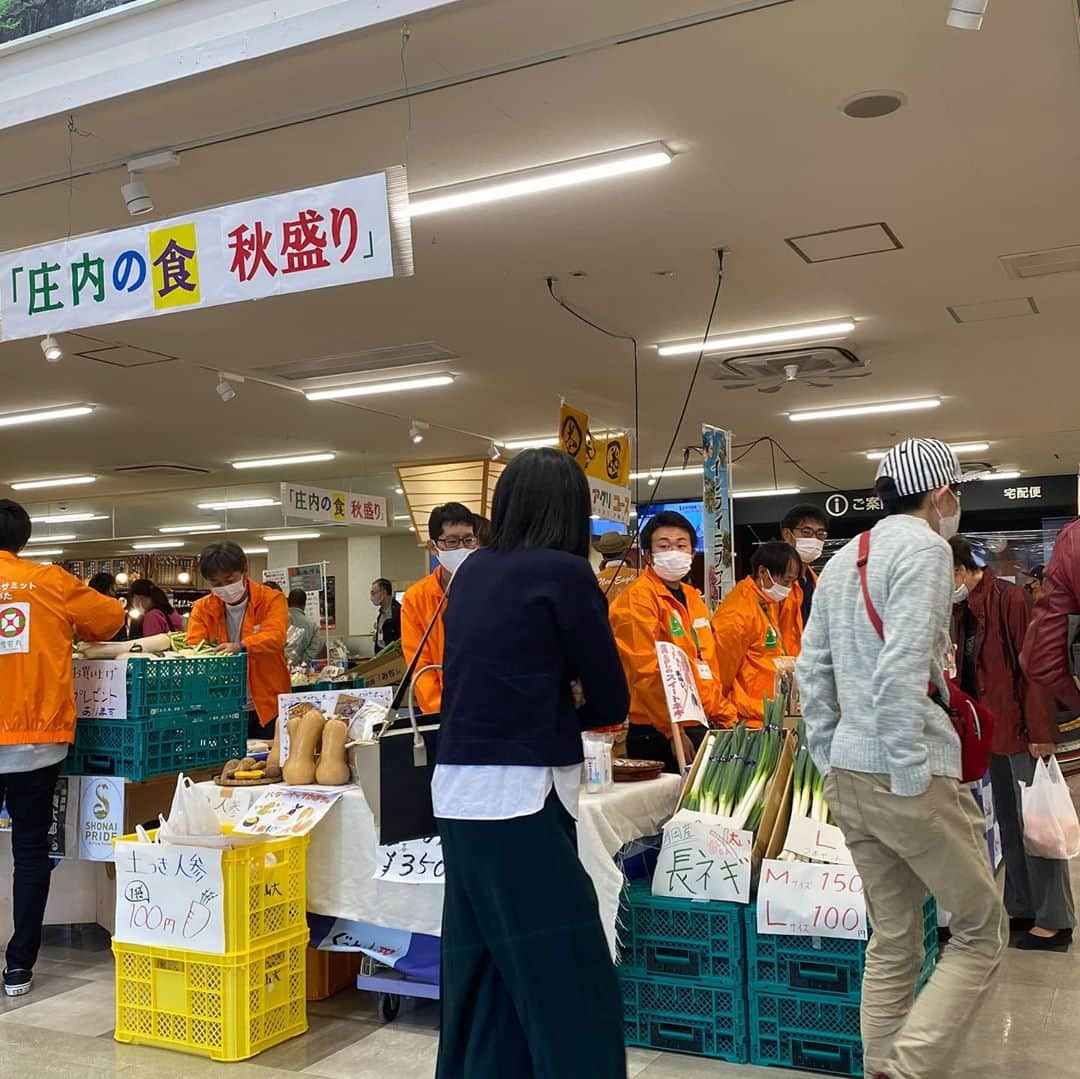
806,512
15,527
450,513
143,586
385,585
298,598
667,519
222,557
962,554
105,583
542,500
893,501
274,585
483,530
776,556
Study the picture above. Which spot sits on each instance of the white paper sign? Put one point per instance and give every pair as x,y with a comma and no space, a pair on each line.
231,803
101,817
680,686
416,861
816,841
170,897
333,703
313,238
287,811
703,857
101,688
800,899
14,627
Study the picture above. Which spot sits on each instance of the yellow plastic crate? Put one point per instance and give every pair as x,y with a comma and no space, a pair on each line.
265,890
226,1007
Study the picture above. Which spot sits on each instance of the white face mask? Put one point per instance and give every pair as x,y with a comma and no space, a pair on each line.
776,592
231,593
672,566
451,560
960,593
948,526
810,550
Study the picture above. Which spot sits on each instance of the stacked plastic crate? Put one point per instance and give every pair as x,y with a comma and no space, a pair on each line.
683,973
180,714
234,1005
804,995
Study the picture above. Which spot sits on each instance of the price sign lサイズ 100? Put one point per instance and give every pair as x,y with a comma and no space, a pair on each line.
806,900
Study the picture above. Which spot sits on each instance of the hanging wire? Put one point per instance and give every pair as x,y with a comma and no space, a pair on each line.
406,34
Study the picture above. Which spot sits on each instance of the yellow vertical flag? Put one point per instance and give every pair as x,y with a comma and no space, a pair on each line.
574,437
611,460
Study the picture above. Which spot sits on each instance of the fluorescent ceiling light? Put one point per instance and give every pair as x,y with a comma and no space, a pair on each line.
292,536
67,518
14,419
157,545
529,443
46,551
403,517
957,448
918,405
805,331
295,459
189,528
656,473
256,550
508,185
766,492
60,537
240,504
1010,475
70,481
368,389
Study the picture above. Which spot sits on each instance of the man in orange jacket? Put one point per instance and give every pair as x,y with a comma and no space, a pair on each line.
751,631
241,615
660,606
41,609
451,539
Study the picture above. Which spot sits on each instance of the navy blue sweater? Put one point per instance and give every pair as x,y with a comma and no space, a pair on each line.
520,627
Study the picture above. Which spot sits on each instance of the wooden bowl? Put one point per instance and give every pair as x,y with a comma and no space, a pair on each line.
628,770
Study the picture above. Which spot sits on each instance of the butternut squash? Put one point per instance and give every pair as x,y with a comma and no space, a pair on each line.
273,758
333,769
305,733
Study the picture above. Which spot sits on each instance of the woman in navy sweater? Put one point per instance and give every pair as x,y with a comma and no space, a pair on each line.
528,984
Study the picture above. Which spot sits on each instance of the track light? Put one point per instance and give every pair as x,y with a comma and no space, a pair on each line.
51,349
416,431
225,389
136,197
493,451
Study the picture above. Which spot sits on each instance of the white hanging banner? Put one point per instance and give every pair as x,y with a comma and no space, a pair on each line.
341,507
317,237
800,899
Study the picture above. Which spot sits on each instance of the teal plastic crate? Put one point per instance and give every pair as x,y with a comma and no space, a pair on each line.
678,938
816,1034
164,686
139,749
826,966
685,1017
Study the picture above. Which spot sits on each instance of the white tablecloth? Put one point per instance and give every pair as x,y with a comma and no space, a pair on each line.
341,856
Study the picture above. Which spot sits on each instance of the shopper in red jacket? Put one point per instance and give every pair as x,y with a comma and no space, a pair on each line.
990,620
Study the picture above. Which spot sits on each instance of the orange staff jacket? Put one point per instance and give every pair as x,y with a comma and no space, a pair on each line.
740,625
266,622
418,606
41,608
647,612
791,609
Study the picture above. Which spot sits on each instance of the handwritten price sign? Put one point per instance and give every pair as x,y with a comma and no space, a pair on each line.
816,841
800,899
170,897
416,861
703,857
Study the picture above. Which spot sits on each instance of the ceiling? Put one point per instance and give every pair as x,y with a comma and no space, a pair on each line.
982,161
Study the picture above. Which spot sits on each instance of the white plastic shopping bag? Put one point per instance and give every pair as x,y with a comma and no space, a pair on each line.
1051,828
191,813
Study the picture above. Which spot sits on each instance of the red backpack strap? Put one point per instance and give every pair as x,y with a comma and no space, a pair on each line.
871,610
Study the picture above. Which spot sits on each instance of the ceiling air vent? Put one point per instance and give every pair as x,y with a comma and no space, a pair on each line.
1041,263
768,372
171,468
366,362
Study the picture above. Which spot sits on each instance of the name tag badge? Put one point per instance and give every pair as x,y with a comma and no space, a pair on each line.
256,629
701,623
704,670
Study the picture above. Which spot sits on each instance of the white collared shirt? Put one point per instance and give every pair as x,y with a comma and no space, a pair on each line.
501,791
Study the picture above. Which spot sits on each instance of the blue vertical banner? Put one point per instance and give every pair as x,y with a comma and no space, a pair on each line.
716,519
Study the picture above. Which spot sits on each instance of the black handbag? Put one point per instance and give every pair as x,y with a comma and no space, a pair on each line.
394,768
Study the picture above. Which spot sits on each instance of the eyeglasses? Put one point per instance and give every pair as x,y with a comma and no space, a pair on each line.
455,544
807,532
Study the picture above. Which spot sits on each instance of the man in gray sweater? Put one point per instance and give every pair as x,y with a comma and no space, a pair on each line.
892,761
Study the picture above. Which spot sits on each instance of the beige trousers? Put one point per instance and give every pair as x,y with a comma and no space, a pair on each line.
902,847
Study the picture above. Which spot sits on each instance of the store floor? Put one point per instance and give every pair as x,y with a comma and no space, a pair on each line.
65,1029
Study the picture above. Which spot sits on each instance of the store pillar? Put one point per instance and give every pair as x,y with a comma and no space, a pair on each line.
365,565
